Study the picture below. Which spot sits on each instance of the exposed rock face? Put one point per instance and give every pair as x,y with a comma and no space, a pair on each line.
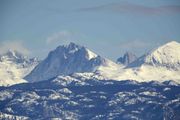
65,60
127,58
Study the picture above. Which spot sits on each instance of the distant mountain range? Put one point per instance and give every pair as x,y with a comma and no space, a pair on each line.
160,64
73,98
163,63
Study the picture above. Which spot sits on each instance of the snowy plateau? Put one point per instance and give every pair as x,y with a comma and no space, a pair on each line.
74,83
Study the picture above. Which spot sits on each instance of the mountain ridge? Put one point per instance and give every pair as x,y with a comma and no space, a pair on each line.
97,66
65,60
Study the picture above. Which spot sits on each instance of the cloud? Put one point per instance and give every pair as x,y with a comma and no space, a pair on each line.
62,36
134,9
13,45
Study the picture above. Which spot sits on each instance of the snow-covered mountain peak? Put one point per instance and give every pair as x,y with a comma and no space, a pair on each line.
11,53
72,49
14,66
13,56
172,43
167,55
68,59
168,49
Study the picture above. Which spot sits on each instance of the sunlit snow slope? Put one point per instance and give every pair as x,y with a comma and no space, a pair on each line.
14,66
160,64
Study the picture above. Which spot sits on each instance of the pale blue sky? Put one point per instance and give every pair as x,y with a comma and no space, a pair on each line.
109,27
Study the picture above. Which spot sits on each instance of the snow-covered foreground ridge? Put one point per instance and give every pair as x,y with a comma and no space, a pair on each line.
71,98
160,64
